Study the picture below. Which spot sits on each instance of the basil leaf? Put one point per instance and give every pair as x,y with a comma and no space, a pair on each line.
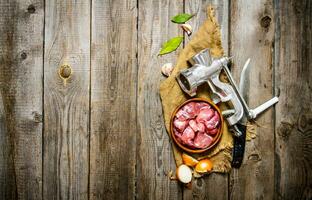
171,45
181,18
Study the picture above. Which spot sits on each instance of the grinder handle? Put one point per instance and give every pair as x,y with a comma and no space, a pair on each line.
255,112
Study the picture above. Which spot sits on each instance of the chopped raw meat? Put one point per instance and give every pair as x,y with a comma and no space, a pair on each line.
188,135
213,131
198,106
202,140
183,115
202,105
191,144
193,125
197,127
176,132
180,124
178,137
205,107
213,122
201,127
190,108
205,115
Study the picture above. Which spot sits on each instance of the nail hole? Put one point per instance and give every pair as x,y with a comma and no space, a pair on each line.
265,21
31,9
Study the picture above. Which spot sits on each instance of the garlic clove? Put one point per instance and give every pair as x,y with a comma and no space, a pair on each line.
187,28
166,69
184,174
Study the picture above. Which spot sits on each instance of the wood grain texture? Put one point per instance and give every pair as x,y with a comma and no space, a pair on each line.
252,36
154,152
214,186
113,99
66,106
293,74
102,136
21,64
222,9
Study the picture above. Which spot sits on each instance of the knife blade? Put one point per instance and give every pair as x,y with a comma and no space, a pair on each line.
240,127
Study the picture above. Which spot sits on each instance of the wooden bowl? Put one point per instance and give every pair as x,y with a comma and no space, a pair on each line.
216,138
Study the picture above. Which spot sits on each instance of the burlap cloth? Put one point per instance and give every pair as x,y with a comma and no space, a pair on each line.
208,36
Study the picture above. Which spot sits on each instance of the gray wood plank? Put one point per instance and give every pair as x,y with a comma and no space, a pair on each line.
214,186
199,8
21,68
66,106
293,131
252,36
154,152
113,99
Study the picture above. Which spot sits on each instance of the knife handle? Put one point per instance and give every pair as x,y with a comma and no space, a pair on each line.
239,146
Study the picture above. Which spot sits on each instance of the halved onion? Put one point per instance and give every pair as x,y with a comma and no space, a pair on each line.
184,174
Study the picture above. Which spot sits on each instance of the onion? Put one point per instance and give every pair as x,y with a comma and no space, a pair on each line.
184,174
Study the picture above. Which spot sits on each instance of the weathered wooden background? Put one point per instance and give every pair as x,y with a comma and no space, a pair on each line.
101,136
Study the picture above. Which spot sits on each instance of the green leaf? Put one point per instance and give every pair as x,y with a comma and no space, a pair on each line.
171,45
181,18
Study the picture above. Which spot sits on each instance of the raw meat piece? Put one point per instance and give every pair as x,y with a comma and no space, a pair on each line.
188,135
180,124
205,107
201,127
213,131
202,140
190,108
191,144
213,122
205,115
176,132
200,106
182,115
178,135
193,125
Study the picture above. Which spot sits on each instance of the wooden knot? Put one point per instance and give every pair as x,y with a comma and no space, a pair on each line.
31,9
305,122
284,130
65,72
254,157
265,21
37,117
23,55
